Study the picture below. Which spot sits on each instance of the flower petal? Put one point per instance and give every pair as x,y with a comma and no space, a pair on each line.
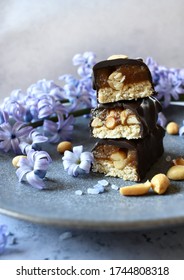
87,156
72,169
85,165
21,172
77,150
34,180
68,155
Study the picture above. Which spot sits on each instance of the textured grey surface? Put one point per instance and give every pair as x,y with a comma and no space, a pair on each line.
35,242
59,205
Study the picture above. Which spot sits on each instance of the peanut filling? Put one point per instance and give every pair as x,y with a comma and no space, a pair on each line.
119,158
111,118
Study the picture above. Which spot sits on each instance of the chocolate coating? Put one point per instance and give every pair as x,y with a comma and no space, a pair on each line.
135,71
148,149
146,110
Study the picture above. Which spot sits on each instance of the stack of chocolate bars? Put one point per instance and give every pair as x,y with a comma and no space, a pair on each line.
125,120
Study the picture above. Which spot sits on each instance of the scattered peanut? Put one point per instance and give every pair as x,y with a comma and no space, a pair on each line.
178,161
139,189
110,123
64,146
15,160
160,183
172,128
117,56
96,122
176,172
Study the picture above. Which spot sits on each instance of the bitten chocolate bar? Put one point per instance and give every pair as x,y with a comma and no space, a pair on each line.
127,119
128,159
122,79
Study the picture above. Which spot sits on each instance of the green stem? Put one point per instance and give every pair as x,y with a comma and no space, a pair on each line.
78,113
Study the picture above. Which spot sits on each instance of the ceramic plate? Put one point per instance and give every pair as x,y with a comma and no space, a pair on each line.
60,206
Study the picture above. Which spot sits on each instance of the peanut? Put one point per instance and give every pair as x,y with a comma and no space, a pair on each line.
119,159
117,85
115,80
139,189
176,172
110,123
112,113
117,56
117,156
15,160
120,164
172,128
160,183
178,161
132,120
118,76
123,117
64,146
96,122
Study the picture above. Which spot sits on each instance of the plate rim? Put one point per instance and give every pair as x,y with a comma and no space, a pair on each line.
76,224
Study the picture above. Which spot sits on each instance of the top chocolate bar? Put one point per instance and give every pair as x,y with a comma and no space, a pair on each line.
122,79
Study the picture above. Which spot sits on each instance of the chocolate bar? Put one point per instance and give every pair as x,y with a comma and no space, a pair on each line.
122,79
127,119
128,159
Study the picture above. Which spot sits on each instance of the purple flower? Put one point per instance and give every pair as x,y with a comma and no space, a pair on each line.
3,237
44,87
77,162
11,136
15,105
4,117
60,130
33,141
48,106
181,130
87,58
169,83
34,168
80,92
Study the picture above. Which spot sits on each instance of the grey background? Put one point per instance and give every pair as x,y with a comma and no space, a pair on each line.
38,39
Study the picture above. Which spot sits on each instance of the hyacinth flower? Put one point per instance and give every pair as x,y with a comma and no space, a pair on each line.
4,117
33,168
79,91
77,161
45,87
48,106
78,94
3,237
169,83
33,141
12,135
57,131
18,107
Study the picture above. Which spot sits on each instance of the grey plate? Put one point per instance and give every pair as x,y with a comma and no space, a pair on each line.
60,206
